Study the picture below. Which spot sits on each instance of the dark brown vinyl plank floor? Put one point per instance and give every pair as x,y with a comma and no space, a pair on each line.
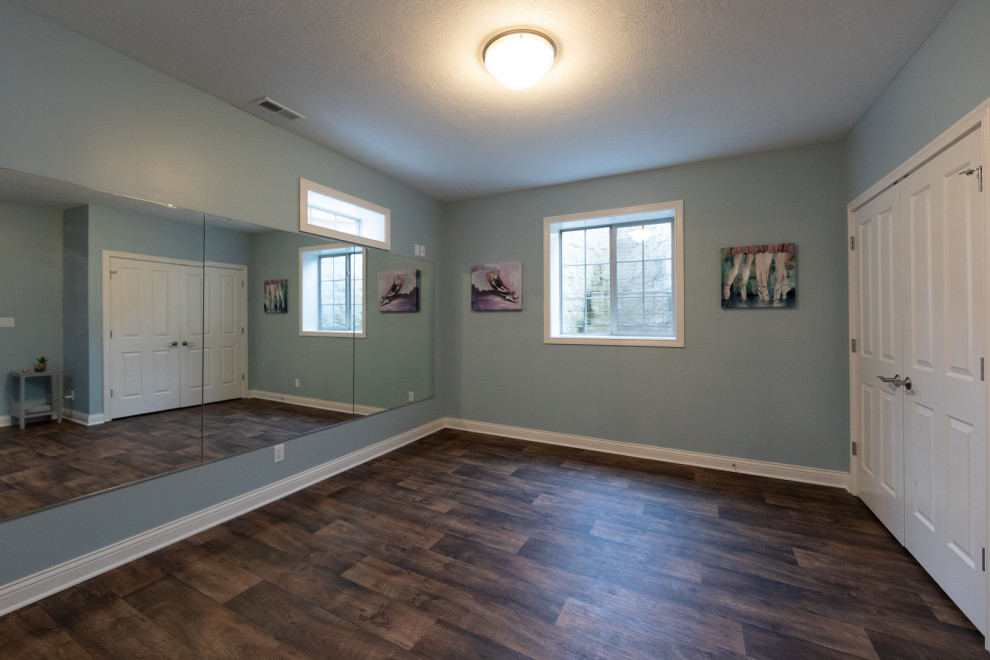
48,463
470,546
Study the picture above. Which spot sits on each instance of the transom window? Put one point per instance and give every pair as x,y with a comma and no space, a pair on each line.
329,212
332,290
615,277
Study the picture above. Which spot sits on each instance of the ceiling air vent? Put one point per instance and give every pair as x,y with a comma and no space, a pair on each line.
278,109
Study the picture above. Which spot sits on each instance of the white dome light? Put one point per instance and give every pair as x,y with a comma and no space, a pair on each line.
519,58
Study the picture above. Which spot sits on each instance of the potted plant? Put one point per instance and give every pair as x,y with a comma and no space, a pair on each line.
42,364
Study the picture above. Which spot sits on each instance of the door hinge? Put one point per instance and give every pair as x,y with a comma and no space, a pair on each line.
854,449
852,243
978,171
111,334
852,345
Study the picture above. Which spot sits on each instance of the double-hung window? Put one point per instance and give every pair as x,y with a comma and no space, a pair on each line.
332,290
615,277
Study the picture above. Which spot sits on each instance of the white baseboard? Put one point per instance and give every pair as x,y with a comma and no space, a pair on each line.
82,418
314,403
714,461
52,580
6,420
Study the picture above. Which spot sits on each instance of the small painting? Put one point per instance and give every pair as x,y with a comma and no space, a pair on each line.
496,287
759,276
276,296
398,291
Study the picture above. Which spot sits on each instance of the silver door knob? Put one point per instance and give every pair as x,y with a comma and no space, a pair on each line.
173,343
897,382
187,343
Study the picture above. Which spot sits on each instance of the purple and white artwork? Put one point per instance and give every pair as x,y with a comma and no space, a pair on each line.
398,291
496,287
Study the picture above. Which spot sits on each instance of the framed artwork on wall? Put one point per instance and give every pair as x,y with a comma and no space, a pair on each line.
398,291
496,287
276,296
759,276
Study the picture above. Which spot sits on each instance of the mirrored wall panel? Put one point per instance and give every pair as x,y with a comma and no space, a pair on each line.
396,354
270,376
172,338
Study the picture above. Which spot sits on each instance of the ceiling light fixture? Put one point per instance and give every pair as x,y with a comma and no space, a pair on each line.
518,58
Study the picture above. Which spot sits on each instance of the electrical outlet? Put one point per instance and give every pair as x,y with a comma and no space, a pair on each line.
297,382
7,322
412,395
279,453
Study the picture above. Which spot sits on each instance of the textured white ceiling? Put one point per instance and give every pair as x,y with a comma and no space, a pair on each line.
399,85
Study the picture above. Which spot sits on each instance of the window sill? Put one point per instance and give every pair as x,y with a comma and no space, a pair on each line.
606,340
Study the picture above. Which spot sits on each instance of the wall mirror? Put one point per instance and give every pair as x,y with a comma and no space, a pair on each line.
174,338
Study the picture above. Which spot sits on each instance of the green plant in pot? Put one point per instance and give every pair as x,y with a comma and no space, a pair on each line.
42,364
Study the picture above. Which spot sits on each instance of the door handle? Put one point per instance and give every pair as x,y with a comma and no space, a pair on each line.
172,344
190,344
896,380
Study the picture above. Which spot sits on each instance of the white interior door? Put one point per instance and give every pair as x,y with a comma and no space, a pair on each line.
224,334
921,311
879,460
191,334
944,417
144,325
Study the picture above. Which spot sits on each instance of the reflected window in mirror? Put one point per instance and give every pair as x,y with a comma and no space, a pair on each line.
328,212
331,290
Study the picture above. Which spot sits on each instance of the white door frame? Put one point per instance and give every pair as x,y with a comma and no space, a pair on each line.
105,328
977,118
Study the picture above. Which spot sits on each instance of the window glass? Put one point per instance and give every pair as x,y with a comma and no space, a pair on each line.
615,277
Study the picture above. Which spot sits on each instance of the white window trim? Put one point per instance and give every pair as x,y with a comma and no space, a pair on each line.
305,226
309,291
551,294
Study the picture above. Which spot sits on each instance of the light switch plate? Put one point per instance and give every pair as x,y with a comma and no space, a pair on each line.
7,322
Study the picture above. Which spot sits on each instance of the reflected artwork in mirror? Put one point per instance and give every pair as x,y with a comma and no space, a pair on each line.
153,320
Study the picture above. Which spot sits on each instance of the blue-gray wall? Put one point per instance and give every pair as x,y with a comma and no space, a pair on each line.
947,77
30,293
759,384
102,120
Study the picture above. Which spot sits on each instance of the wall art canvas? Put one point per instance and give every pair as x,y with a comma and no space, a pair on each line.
398,291
496,287
759,276
276,296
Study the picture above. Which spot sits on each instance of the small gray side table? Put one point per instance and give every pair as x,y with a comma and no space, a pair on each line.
54,405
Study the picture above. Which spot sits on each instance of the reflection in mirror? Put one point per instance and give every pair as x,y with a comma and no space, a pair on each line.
396,355
102,286
267,382
172,339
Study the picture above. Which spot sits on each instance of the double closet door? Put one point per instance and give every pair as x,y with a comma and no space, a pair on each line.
919,397
176,337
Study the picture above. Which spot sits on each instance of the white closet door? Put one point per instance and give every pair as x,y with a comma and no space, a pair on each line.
144,323
191,331
223,334
879,461
944,418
